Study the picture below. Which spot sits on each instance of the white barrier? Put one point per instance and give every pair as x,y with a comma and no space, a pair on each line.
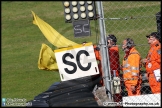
150,100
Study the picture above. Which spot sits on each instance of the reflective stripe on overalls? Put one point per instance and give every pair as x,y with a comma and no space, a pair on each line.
131,69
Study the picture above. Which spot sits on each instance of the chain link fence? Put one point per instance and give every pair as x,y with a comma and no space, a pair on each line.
135,20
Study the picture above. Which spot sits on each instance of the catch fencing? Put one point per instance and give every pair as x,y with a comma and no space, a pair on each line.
135,20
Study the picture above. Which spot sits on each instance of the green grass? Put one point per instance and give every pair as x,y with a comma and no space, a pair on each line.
22,40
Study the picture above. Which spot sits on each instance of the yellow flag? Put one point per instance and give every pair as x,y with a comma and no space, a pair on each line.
47,60
51,34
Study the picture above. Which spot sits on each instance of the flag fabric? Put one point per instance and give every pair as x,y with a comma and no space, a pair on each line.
47,59
51,34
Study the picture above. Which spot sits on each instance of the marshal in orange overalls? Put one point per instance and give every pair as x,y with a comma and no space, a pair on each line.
153,63
98,58
114,59
131,72
115,65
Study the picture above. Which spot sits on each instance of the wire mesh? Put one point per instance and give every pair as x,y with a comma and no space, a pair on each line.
135,20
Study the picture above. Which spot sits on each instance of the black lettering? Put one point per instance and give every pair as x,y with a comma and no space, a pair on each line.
69,63
78,60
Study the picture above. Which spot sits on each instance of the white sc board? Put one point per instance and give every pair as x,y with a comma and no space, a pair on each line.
76,61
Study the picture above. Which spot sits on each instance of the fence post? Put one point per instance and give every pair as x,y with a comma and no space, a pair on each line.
104,50
158,21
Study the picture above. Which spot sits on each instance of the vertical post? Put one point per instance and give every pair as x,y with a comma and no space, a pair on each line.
104,50
158,21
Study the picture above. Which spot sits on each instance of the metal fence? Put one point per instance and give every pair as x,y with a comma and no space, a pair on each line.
132,19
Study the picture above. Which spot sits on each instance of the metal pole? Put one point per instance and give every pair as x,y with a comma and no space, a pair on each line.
104,53
110,82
